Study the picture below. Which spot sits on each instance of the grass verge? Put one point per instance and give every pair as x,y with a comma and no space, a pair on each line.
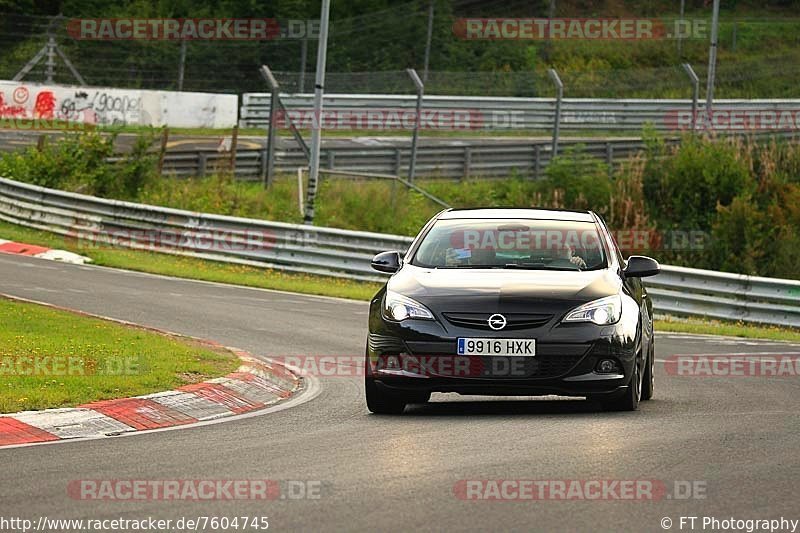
730,329
53,358
183,267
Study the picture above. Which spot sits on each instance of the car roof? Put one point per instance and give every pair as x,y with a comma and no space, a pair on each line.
519,213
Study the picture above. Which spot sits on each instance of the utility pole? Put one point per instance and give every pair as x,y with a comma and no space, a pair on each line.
51,58
316,123
50,50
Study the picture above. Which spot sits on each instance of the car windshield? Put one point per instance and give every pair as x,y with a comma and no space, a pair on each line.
511,244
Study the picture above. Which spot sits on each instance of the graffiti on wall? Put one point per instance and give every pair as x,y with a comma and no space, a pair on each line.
92,106
107,108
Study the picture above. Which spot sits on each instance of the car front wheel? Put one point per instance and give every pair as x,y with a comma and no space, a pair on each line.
629,401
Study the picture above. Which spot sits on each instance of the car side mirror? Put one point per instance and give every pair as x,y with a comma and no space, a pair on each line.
640,266
389,262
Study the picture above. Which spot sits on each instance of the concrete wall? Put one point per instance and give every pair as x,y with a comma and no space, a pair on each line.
104,106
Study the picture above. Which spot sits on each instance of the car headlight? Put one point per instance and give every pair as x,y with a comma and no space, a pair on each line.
399,307
602,312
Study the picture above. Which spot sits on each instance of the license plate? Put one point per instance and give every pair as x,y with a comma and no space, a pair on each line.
502,347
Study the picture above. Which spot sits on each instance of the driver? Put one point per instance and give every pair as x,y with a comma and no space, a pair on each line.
567,252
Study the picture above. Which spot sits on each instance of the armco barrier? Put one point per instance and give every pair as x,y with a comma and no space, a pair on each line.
336,252
477,158
508,113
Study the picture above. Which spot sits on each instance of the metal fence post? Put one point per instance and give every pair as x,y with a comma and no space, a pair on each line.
712,63
557,118
537,160
162,152
695,92
182,65
467,160
428,42
412,165
266,73
398,159
202,164
301,84
234,147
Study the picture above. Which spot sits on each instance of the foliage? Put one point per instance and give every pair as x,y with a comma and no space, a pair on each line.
79,162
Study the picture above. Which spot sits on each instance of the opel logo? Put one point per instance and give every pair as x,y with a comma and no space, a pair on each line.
497,322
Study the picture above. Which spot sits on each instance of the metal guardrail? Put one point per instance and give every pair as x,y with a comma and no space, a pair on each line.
496,113
480,159
344,253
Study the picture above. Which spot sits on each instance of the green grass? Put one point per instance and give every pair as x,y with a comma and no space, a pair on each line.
188,267
83,359
730,329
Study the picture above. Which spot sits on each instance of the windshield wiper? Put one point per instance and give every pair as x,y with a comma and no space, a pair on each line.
530,266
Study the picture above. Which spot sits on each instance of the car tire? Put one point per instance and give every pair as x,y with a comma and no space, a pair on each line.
378,401
648,380
629,401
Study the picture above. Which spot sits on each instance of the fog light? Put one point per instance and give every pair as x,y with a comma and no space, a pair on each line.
607,366
393,362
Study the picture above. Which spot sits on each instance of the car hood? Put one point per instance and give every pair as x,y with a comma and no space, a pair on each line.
499,290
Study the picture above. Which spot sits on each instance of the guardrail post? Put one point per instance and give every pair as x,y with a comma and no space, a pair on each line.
695,92
163,149
557,118
398,160
610,157
202,164
300,190
267,172
331,155
537,160
234,144
467,161
412,165
262,155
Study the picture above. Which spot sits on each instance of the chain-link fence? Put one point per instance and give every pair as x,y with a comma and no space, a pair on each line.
369,52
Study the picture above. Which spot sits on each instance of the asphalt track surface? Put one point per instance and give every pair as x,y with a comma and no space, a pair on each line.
738,436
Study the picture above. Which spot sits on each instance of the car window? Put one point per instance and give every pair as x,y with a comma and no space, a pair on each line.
510,243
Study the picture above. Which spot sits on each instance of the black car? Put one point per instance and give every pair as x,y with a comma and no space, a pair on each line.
511,302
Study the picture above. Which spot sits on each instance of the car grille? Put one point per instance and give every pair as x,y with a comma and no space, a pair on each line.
513,320
540,366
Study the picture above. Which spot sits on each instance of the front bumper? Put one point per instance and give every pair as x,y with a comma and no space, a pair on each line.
418,356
